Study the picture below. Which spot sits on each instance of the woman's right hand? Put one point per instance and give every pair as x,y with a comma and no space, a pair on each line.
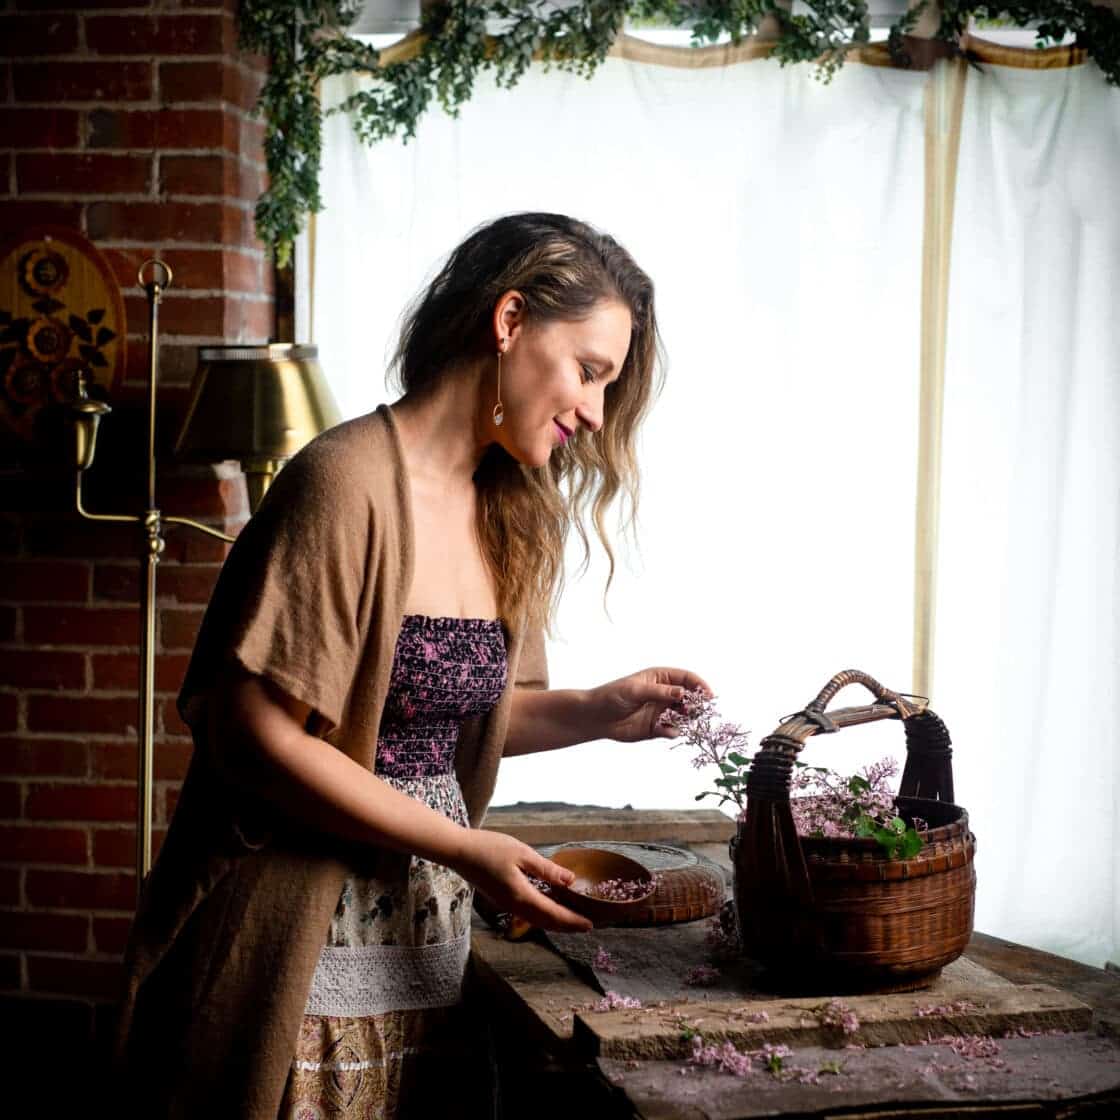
498,865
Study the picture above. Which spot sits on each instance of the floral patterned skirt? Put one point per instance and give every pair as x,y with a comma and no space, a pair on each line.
386,1032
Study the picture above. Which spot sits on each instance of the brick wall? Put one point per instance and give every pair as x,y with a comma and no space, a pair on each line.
129,122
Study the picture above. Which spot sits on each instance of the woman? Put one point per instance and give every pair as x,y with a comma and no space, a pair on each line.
354,686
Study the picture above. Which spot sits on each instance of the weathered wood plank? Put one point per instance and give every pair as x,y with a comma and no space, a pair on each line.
534,985
536,825
1033,1079
665,1032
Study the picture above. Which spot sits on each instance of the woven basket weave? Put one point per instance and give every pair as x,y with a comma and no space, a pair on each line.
839,913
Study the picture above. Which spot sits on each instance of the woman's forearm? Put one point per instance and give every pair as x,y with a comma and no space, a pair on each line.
543,720
267,752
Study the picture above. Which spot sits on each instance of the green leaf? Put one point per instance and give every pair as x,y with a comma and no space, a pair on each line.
858,785
897,824
911,844
738,759
865,826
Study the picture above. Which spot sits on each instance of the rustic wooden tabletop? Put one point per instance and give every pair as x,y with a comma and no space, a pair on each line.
1054,1024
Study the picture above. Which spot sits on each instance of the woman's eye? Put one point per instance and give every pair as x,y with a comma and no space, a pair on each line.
588,373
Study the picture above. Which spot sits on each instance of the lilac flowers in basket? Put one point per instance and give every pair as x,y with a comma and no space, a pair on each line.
825,803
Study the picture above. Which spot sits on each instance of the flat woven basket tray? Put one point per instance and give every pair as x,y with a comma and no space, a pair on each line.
688,886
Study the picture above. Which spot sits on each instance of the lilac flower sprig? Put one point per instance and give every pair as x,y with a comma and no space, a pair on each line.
716,742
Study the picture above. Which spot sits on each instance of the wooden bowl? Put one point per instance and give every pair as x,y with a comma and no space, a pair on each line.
593,866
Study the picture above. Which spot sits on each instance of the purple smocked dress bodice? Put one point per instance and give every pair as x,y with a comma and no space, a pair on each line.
445,670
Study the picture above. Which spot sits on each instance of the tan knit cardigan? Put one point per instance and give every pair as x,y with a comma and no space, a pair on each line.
230,923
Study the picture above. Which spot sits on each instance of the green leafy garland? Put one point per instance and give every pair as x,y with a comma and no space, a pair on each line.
306,41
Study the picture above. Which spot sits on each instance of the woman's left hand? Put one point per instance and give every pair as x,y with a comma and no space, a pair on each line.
629,708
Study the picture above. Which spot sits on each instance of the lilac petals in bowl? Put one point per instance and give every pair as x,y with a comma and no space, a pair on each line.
607,888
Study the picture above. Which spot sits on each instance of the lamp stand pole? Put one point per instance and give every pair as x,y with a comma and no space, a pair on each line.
88,414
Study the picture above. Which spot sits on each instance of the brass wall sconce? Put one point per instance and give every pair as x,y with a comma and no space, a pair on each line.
256,404
259,405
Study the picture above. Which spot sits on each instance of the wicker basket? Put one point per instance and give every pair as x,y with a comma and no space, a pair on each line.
838,914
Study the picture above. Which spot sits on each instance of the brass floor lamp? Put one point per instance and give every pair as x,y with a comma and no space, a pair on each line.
255,404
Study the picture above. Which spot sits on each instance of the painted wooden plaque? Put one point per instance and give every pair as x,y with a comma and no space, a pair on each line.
60,311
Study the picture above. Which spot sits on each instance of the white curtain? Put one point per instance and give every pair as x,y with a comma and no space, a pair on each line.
782,223
1026,662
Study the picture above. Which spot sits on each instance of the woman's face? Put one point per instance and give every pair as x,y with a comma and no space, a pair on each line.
554,375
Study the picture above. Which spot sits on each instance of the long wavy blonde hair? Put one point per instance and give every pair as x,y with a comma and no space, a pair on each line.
563,268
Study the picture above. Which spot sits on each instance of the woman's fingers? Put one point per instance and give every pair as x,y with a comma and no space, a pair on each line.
549,914
542,911
544,868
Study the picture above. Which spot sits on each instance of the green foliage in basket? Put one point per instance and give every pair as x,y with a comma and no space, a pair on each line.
306,41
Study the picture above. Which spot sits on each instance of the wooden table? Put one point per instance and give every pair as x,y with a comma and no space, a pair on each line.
557,1059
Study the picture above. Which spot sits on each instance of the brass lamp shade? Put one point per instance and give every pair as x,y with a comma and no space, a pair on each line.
256,404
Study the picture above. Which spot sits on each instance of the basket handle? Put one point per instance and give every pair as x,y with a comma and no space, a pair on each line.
928,771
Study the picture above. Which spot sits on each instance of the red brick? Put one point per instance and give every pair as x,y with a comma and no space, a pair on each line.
179,628
165,129
118,760
200,315
67,4
249,320
32,668
71,536
19,214
173,35
61,933
125,263
96,715
206,222
212,80
43,581
39,128
119,583
5,176
116,847
9,886
201,494
199,175
196,548
75,977
81,890
120,672
9,711
61,173
194,583
230,270
83,81
209,81
7,624
81,626
25,844
171,799
244,272
110,935
11,794
28,34
9,973
74,802
63,758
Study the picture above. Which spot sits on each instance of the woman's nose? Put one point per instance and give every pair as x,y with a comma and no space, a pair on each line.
590,414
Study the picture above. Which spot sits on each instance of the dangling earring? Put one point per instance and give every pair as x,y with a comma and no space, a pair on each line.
499,412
